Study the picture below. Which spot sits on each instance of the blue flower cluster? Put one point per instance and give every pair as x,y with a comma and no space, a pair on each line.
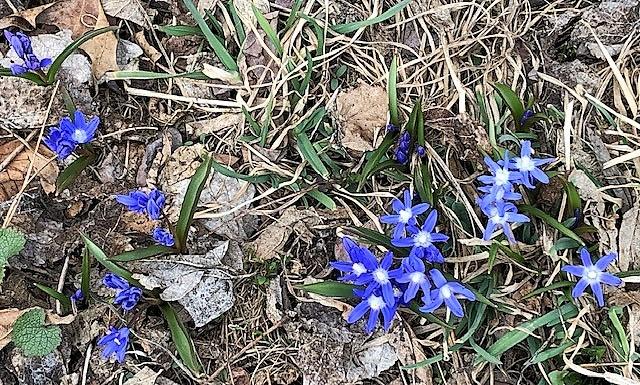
383,287
115,342
64,139
499,188
593,275
21,45
127,296
151,204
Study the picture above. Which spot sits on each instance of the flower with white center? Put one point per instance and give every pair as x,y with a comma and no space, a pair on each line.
422,240
593,275
405,214
374,304
446,292
415,278
528,167
361,261
502,215
379,278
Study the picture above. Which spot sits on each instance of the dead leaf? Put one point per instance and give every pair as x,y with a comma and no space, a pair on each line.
245,10
25,20
13,175
146,376
81,16
215,125
629,240
217,73
125,9
361,111
9,316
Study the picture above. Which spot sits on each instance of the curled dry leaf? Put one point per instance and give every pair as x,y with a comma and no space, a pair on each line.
9,316
227,122
24,20
130,10
19,157
81,16
217,73
360,112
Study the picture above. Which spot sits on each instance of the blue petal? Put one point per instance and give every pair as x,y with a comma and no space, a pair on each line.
420,208
402,242
431,307
610,279
411,292
387,316
387,260
604,262
458,288
358,312
438,279
397,205
437,237
430,222
387,294
454,305
578,271
597,292
373,320
578,290
585,257
390,219
407,198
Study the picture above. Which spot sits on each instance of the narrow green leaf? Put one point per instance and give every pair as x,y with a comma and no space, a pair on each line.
375,157
620,335
237,22
413,306
375,238
411,126
143,253
180,30
493,253
550,353
488,357
318,30
330,289
55,294
392,91
86,273
553,286
307,76
215,43
232,174
190,203
512,100
389,13
322,198
69,174
181,339
573,197
35,78
149,75
308,152
101,257
293,15
55,66
551,222
268,30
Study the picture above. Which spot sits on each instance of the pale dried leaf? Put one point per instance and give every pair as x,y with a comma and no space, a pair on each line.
361,112
629,242
125,9
24,19
245,10
217,73
212,126
13,175
146,376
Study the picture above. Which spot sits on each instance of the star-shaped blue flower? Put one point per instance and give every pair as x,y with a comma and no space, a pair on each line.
446,292
422,239
380,278
361,261
593,275
115,343
502,215
528,167
374,304
405,214
415,278
501,176
79,130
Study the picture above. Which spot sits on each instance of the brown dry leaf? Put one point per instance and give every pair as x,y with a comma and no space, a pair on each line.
12,176
130,10
215,125
629,240
361,111
81,16
146,376
9,316
24,20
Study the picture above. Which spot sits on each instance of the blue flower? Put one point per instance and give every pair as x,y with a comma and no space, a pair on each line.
422,239
80,131
115,342
502,215
391,127
501,176
529,167
593,275
374,304
445,292
21,45
155,204
135,201
528,114
380,279
116,282
59,143
128,298
415,277
362,261
405,214
402,150
78,296
421,151
495,194
163,237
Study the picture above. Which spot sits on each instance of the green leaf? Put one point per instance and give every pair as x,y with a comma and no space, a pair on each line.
55,66
375,238
11,243
413,119
86,273
389,13
392,91
551,352
493,253
237,23
551,222
215,43
142,253
55,294
35,78
180,30
101,257
308,152
322,198
375,157
422,183
490,358
620,336
513,102
330,289
293,15
573,197
553,286
32,336
181,339
69,174
268,30
522,331
232,174
190,203
318,30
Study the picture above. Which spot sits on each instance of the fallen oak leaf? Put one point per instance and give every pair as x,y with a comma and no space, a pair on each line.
13,175
24,20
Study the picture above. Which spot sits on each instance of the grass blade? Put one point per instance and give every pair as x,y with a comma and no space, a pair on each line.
237,23
55,66
375,238
330,289
181,339
323,198
490,358
513,102
266,27
389,13
142,253
86,273
553,286
69,174
232,174
392,91
64,300
551,221
215,43
190,203
180,30
101,257
375,157
319,31
548,354
293,15
308,152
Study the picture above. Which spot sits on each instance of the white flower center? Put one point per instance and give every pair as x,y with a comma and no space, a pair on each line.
497,219
358,268
502,177
79,136
375,302
525,164
117,341
592,274
445,291
381,276
405,215
416,277
422,239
